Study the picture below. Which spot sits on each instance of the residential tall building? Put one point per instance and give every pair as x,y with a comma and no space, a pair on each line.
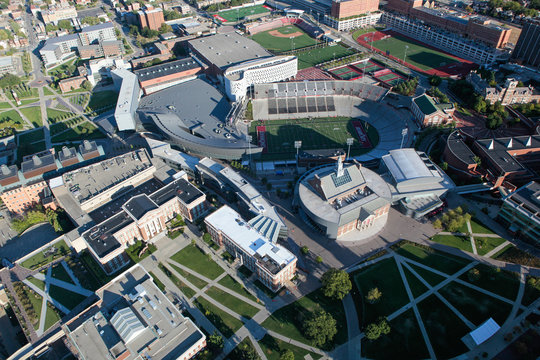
151,18
527,50
97,33
347,8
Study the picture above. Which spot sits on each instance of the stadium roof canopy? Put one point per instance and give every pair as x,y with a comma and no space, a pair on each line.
406,164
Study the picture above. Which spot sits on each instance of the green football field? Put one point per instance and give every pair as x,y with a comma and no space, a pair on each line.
279,44
238,14
313,57
317,133
417,55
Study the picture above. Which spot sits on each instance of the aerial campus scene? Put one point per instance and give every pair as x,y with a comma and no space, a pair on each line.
272,180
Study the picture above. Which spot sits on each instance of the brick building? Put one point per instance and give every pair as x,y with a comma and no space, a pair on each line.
428,112
23,197
71,83
527,50
509,93
151,18
162,76
348,8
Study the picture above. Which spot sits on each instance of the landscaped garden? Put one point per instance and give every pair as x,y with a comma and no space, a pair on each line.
47,255
232,302
188,292
224,322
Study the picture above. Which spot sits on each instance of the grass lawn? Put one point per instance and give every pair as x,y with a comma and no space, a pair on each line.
474,305
95,270
514,255
58,272
28,101
440,261
40,284
237,352
45,257
460,242
192,257
405,341
486,244
478,228
84,131
417,287
31,136
11,118
189,292
279,44
35,301
47,91
102,99
51,317
156,281
318,133
273,348
431,278
503,283
313,57
54,115
363,30
234,15
235,286
390,285
289,320
5,105
532,290
224,322
65,297
33,114
417,54
232,302
199,283
443,327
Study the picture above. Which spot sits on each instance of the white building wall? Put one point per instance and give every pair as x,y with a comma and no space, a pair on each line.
349,24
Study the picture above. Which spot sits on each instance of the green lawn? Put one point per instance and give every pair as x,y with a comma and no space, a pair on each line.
31,136
280,44
532,290
11,118
443,327
390,285
47,91
289,320
237,352
313,57
45,257
417,54
486,244
40,284
474,305
95,270
273,348
192,257
199,283
189,292
235,286
417,287
84,131
404,341
51,317
156,281
361,31
440,261
234,15
500,282
512,254
319,133
232,302
478,228
23,92
54,115
460,242
28,102
35,301
224,322
102,99
5,105
33,114
65,297
58,272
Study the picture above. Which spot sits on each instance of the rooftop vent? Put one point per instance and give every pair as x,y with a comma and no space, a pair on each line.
5,170
37,161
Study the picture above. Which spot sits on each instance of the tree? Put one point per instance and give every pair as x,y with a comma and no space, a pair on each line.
336,283
86,85
164,28
65,25
9,80
374,295
149,33
304,250
319,259
444,165
473,275
437,224
287,355
321,328
477,160
133,30
90,20
375,330
435,80
215,342
171,15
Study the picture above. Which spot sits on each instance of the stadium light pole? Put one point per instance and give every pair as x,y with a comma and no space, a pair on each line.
403,133
249,138
350,141
405,58
297,146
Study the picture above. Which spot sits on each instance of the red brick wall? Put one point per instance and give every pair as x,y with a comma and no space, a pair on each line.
170,77
353,7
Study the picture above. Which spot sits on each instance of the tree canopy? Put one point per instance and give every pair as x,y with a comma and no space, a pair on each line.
336,283
9,80
321,328
375,330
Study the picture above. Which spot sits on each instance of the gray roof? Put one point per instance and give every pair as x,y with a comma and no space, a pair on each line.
529,196
100,238
406,164
225,50
181,188
457,146
334,185
37,162
499,150
97,27
126,324
6,61
139,205
165,69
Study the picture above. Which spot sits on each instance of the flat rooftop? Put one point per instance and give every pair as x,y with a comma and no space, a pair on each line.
407,164
225,50
528,197
169,68
180,188
100,238
499,150
271,256
146,324
92,180
458,147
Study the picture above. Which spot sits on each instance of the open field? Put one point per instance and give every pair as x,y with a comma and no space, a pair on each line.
232,302
33,114
224,322
235,286
239,14
192,257
460,242
84,131
65,297
273,348
440,261
285,41
11,118
313,57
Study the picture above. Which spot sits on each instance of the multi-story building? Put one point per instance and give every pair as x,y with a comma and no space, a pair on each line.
429,112
133,319
353,22
130,93
273,264
520,212
349,8
59,48
97,33
527,50
142,218
56,13
6,65
24,197
104,48
71,83
508,94
162,76
151,18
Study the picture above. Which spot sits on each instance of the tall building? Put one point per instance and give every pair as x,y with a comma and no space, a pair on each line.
130,93
527,50
97,33
347,8
151,18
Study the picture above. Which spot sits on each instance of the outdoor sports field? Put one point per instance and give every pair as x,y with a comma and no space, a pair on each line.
316,133
239,14
284,38
417,54
313,57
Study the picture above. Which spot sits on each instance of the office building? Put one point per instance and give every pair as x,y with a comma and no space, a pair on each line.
349,8
162,76
151,18
56,13
130,93
527,50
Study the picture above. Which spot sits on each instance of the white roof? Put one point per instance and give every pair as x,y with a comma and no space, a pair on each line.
484,331
406,164
127,324
6,61
234,227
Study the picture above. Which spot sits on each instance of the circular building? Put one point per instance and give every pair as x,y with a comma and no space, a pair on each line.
342,199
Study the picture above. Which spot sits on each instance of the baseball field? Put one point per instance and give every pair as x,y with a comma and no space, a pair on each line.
285,38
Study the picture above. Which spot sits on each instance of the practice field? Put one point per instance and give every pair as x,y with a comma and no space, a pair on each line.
417,54
239,14
317,133
313,57
285,38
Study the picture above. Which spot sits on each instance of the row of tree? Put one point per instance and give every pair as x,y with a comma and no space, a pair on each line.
406,88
